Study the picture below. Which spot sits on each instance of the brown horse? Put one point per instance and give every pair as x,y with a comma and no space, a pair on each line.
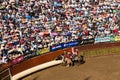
68,62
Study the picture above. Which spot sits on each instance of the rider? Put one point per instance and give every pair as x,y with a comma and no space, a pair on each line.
75,53
68,58
68,55
75,56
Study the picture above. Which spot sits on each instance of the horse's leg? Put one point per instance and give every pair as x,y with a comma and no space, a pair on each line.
63,63
73,62
66,62
78,61
69,62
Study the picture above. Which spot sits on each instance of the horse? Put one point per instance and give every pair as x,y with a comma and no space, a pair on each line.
66,61
77,59
70,61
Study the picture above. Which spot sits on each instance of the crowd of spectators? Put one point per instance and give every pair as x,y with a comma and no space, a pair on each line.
26,25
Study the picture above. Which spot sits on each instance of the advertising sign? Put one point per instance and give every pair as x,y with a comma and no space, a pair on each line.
104,39
56,47
45,50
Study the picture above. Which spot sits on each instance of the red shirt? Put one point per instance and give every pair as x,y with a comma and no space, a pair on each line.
22,41
68,56
10,45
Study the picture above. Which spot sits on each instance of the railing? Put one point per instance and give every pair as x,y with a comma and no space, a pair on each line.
5,74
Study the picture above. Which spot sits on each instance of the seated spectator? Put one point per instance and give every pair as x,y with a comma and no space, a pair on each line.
30,24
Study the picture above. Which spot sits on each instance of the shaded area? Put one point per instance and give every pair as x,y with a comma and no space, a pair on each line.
87,78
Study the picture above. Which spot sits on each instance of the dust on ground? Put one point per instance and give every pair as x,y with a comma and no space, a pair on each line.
97,68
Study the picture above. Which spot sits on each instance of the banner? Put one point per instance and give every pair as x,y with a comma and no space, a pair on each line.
73,43
17,60
87,41
42,51
70,44
117,38
112,39
104,39
56,47
30,55
63,45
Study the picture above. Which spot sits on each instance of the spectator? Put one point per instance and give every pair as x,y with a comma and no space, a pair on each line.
26,25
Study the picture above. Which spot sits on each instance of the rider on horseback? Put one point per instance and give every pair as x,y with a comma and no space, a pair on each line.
75,53
68,58
75,56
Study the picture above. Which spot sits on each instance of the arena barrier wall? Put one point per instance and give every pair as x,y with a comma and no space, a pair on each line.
89,50
100,49
36,68
15,69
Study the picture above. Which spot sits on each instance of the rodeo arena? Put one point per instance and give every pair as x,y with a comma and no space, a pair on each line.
59,39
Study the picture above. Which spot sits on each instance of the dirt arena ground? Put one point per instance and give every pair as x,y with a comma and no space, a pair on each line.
97,68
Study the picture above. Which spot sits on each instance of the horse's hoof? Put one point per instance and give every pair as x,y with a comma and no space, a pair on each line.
67,66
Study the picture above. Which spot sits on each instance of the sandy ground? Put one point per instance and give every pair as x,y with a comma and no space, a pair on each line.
97,68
